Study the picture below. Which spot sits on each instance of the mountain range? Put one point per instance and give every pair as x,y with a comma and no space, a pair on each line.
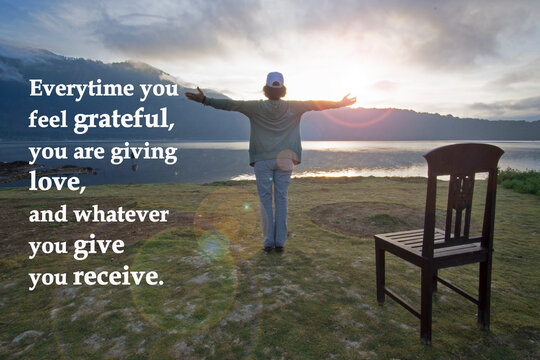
196,122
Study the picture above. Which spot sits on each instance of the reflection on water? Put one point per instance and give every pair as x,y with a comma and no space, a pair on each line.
370,146
410,171
201,162
359,146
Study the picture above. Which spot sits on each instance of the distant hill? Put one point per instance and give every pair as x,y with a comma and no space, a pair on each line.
395,124
17,66
196,122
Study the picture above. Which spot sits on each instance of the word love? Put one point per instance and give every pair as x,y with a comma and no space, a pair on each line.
91,278
45,183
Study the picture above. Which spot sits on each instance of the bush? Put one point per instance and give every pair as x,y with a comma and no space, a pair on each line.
524,182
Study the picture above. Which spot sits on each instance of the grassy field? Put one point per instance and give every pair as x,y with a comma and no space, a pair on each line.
223,298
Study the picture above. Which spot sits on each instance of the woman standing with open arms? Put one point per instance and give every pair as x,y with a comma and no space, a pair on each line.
274,147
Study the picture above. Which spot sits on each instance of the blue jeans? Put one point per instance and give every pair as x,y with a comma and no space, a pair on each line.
276,172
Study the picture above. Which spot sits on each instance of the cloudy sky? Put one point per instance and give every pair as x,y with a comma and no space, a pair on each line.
461,57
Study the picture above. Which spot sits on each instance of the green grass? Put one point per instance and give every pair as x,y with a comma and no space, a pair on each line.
223,298
385,220
524,182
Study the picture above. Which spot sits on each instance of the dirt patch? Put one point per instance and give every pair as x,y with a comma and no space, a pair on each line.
364,219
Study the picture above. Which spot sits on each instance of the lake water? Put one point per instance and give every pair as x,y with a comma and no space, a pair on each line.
201,162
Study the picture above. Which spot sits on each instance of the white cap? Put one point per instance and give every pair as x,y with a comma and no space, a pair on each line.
273,78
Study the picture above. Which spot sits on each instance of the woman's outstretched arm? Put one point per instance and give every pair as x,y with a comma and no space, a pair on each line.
346,101
198,96
323,105
221,104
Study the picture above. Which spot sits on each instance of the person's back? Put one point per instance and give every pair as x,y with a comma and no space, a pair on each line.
274,147
275,125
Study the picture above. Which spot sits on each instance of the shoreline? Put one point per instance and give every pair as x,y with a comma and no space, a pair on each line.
239,182
20,170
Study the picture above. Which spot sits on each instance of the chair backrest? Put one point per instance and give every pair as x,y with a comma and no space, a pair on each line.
461,162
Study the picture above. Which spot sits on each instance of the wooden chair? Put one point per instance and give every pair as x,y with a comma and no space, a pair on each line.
432,249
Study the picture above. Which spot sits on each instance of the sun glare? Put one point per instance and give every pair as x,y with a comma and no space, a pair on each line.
332,77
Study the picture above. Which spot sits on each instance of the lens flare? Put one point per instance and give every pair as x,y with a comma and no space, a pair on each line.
370,122
286,159
229,217
213,244
200,281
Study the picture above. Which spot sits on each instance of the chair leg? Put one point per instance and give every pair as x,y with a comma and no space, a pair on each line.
379,264
434,282
484,294
426,305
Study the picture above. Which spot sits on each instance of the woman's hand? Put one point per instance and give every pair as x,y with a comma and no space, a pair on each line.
346,101
198,97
